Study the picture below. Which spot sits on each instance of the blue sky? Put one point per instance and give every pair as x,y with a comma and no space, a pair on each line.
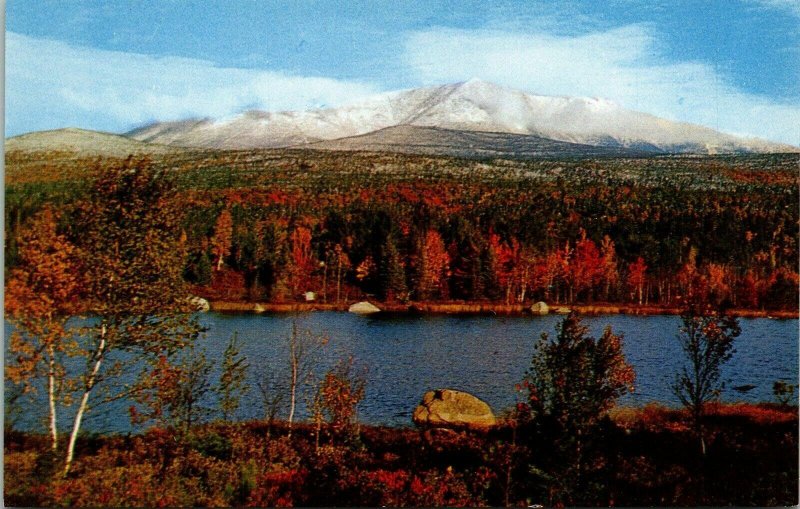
732,65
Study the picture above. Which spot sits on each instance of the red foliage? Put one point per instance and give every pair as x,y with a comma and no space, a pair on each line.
758,413
226,284
636,277
277,489
586,267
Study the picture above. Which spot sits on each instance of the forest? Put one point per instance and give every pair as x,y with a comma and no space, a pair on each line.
269,226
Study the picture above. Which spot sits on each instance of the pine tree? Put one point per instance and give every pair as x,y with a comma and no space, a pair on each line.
573,381
393,274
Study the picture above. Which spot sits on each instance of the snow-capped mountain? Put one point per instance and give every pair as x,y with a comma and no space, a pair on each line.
469,106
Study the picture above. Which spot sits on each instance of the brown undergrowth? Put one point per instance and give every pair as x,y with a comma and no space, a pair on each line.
647,456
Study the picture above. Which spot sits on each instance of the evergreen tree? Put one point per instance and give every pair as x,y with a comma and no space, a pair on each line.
573,381
393,274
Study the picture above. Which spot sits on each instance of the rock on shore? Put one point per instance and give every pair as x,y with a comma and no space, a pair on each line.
364,308
447,408
540,308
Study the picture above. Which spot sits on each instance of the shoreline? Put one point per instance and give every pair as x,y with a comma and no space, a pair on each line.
481,308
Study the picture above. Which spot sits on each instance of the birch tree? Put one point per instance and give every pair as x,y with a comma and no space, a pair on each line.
232,385
41,294
222,241
304,348
129,239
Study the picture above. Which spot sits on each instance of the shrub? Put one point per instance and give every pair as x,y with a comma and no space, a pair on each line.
573,381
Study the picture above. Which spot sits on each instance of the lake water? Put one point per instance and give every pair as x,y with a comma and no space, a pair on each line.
405,356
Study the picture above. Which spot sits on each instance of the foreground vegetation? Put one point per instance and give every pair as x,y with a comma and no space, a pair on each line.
642,457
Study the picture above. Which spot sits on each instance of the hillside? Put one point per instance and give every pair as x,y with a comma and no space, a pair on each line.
409,139
83,143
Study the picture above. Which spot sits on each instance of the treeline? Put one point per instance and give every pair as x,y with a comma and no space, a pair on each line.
549,242
272,226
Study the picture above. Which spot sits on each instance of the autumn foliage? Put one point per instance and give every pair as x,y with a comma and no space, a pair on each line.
646,231
279,225
752,460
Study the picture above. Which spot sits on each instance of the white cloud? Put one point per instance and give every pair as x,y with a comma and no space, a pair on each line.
50,82
622,64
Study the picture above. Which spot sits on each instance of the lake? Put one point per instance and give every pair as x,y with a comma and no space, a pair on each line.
405,356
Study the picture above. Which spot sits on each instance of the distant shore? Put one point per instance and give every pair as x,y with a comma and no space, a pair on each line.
480,308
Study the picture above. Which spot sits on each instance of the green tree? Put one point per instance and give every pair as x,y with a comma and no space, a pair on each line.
706,337
128,235
232,386
392,272
198,268
573,381
784,392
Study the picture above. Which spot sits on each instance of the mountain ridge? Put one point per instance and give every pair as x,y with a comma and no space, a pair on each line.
409,139
475,106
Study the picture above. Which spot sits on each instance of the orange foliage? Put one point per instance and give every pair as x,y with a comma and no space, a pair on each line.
433,265
586,267
302,262
758,413
223,235
636,276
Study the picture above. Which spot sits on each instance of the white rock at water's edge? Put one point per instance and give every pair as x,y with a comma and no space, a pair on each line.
364,308
200,304
540,308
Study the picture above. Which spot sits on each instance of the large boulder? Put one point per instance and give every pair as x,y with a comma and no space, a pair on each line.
447,408
364,308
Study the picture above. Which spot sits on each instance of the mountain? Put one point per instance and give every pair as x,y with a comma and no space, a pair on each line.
410,139
472,106
83,143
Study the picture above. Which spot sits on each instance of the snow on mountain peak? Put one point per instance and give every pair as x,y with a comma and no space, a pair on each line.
473,105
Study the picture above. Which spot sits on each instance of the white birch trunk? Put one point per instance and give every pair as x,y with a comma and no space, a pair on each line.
293,386
85,399
51,396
